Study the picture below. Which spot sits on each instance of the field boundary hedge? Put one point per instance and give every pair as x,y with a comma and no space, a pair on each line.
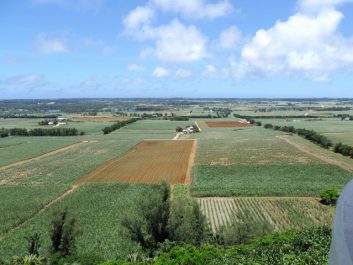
118,125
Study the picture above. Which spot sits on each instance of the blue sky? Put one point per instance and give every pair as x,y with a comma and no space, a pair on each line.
176,48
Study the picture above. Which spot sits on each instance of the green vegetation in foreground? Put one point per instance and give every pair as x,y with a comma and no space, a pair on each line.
98,209
266,180
309,246
19,202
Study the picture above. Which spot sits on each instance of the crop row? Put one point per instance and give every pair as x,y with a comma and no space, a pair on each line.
281,213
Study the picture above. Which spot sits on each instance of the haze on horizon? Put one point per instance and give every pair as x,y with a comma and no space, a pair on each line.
176,48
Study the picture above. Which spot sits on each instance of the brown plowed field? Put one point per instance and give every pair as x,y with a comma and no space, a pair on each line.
97,118
150,161
227,124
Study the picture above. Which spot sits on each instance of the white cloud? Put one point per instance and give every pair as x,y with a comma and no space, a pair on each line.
183,73
27,81
175,42
317,5
308,44
179,43
137,17
230,38
209,71
46,45
135,67
195,9
160,72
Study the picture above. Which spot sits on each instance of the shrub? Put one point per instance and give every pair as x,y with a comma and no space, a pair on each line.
4,133
268,126
179,129
329,197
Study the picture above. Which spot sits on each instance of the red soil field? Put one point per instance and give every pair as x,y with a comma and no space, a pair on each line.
227,124
150,161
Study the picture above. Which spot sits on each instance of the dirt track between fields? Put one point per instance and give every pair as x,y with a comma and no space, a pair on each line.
320,156
60,150
190,163
39,211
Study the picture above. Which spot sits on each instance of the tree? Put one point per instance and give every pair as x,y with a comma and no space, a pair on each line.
187,224
179,129
33,244
63,234
150,227
242,229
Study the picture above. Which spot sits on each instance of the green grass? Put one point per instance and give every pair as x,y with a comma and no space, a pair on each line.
267,180
17,148
19,202
253,161
332,125
157,125
99,209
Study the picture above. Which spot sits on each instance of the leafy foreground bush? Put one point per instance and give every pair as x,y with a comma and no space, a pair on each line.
309,247
329,197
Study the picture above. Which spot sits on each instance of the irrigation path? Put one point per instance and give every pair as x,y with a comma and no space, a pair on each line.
320,156
60,150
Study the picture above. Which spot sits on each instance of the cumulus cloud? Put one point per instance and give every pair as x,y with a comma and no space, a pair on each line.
194,9
137,17
160,72
305,43
44,44
175,41
209,71
230,38
135,67
27,81
183,73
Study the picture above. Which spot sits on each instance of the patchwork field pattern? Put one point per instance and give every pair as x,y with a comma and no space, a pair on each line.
150,161
281,213
226,124
252,161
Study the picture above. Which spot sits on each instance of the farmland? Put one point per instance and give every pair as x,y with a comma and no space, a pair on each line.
227,124
281,213
150,161
253,161
98,209
269,176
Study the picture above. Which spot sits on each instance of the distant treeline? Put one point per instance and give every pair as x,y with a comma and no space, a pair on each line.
307,134
118,125
27,116
178,118
248,117
344,116
40,132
